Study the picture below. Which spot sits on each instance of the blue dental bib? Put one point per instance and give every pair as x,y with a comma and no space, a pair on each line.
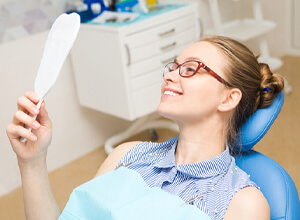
123,194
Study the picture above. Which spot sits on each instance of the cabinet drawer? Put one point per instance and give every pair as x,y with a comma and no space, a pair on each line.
147,79
157,33
146,100
162,46
156,62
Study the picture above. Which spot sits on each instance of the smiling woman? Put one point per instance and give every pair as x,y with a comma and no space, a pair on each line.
209,91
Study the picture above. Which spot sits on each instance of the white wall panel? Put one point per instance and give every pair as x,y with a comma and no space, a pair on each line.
296,24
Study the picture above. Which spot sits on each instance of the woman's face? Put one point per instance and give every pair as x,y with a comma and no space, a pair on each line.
199,96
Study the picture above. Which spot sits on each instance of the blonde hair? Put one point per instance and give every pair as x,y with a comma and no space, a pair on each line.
255,80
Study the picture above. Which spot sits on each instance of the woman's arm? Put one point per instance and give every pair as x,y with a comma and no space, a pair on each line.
248,204
39,201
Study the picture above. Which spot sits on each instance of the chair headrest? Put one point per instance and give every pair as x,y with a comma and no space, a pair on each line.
259,123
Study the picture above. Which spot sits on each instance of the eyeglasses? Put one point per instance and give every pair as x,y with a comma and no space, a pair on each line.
190,68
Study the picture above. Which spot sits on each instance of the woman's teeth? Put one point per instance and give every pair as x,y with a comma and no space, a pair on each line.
170,93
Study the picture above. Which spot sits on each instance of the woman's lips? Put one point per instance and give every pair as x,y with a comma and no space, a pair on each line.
171,92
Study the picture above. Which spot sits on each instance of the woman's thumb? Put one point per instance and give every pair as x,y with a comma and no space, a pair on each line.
43,116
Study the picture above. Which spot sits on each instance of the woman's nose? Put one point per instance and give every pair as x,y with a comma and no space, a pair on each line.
172,76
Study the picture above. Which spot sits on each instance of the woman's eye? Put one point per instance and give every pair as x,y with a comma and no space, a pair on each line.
190,69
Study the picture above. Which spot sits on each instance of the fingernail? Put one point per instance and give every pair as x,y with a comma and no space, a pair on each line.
36,125
33,137
35,110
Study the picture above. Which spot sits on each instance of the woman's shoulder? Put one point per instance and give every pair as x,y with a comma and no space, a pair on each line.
131,152
248,203
113,159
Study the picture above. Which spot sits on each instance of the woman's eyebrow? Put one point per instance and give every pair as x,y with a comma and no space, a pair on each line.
195,58
190,58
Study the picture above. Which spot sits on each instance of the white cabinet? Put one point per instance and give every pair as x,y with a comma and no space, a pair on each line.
118,69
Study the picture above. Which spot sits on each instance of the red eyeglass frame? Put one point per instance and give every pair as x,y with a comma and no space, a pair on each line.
201,65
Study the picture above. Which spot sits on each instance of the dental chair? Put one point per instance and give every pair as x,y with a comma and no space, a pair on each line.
274,182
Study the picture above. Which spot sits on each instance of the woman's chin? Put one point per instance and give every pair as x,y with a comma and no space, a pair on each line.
165,112
161,111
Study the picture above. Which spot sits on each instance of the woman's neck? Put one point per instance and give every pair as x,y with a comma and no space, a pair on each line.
199,142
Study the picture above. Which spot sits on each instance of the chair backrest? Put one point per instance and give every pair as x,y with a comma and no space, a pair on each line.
259,123
274,182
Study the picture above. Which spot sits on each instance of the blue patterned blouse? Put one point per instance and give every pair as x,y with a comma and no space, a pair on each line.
218,179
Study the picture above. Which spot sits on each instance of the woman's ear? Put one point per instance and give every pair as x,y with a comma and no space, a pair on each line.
231,99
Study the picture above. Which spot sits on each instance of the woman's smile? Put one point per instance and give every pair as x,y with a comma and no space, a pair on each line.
170,93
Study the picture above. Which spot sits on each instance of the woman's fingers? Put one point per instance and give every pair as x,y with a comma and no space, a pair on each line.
26,105
29,116
21,118
34,97
15,131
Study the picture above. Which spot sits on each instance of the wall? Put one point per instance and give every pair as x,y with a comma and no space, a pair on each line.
77,130
275,10
292,40
21,18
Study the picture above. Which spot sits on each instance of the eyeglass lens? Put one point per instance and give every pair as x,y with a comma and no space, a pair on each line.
189,68
170,67
186,69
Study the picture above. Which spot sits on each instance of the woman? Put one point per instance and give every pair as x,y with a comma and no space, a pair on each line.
209,91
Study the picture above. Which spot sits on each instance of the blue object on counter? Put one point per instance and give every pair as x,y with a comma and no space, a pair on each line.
85,16
126,6
90,13
162,8
93,9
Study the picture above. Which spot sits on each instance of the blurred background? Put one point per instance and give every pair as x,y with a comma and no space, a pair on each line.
82,125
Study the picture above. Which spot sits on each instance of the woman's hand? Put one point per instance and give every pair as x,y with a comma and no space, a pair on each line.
39,138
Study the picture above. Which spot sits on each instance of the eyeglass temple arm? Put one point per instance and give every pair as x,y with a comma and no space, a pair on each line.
215,75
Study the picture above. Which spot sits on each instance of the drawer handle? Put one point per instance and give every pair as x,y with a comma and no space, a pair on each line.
166,61
166,32
128,55
168,46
